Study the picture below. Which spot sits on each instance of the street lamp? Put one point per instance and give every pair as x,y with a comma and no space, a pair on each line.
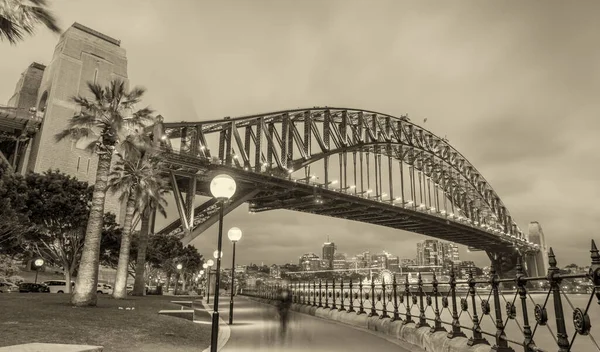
38,263
234,234
222,187
216,254
179,267
209,263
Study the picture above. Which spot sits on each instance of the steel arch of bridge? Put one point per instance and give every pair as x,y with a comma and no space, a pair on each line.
267,151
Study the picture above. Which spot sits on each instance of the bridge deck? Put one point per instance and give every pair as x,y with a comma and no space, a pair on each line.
278,193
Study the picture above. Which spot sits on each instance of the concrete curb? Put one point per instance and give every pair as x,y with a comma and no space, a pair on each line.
410,337
36,347
224,330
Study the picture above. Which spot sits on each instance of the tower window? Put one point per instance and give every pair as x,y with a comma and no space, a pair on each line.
78,161
88,166
96,76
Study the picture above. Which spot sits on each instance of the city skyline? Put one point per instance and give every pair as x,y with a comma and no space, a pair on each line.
490,123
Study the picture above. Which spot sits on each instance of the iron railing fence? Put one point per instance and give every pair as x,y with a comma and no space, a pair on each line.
518,319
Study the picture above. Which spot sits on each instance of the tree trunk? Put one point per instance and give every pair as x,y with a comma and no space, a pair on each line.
120,289
68,280
87,274
184,282
139,286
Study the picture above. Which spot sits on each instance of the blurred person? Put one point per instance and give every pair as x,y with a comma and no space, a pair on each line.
285,302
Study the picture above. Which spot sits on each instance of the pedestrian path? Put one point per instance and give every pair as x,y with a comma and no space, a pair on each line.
202,313
256,328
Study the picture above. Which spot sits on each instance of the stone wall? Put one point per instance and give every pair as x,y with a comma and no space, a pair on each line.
412,338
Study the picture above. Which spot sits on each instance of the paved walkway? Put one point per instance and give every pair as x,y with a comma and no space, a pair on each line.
256,328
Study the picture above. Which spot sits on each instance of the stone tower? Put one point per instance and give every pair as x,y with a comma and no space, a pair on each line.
81,55
536,236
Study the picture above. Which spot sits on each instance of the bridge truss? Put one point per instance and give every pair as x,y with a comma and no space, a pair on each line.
346,163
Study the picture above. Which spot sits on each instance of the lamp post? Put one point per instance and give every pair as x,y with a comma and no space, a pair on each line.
200,278
222,187
38,263
234,234
209,263
205,266
179,267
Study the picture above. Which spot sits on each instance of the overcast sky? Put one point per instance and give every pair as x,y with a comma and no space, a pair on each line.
514,85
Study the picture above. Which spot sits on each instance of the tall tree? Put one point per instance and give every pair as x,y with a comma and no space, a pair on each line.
110,247
136,176
153,201
105,121
20,17
163,253
14,221
191,261
58,207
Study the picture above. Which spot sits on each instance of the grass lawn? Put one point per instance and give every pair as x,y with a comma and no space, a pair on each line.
49,318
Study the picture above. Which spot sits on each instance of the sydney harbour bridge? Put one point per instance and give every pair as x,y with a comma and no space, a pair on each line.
346,163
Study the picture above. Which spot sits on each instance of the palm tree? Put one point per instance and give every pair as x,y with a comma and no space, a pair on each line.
155,201
20,17
136,177
104,122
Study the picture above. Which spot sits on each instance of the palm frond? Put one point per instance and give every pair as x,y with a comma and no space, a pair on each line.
76,133
20,17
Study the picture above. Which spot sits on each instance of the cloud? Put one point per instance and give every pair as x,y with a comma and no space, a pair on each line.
511,84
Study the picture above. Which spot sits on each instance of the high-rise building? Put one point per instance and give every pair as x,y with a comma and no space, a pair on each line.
379,261
309,262
329,252
393,264
82,55
436,253
339,261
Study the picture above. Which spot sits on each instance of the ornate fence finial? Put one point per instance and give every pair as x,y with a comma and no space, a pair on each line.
519,267
552,261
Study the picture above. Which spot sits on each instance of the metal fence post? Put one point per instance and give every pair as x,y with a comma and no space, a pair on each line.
342,295
361,309
408,318
326,294
383,295
421,292
521,281
333,306
477,338
320,294
555,280
438,321
455,332
373,312
351,308
501,343
396,315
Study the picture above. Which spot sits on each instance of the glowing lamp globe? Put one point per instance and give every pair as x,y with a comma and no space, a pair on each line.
210,262
202,271
234,234
204,266
39,262
179,266
216,254
222,186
